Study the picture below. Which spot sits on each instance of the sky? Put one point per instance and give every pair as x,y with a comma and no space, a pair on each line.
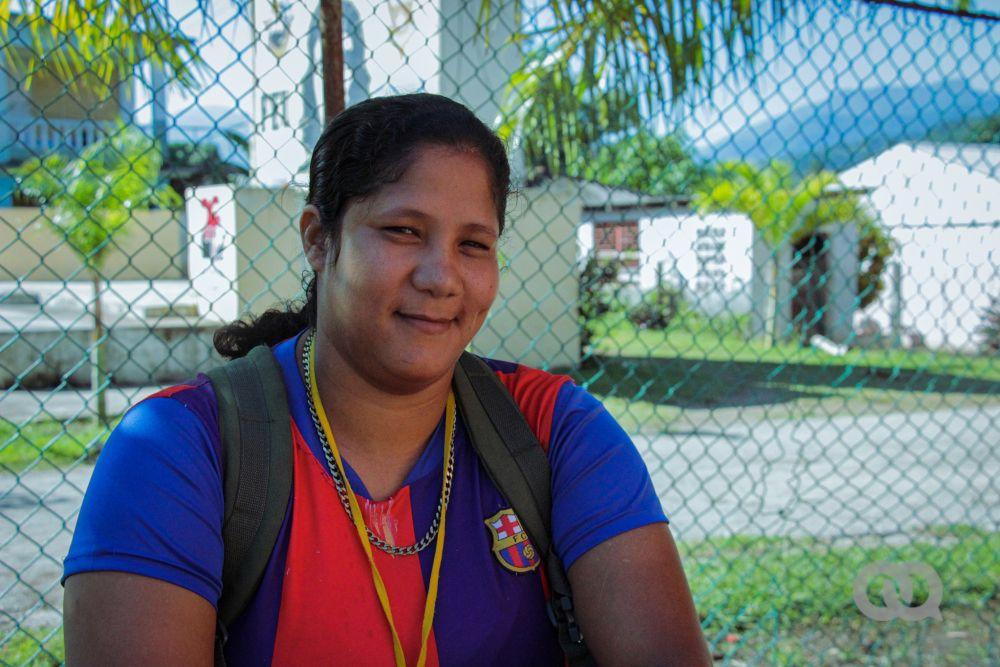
821,47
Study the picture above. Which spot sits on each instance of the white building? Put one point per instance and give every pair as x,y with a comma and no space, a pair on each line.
708,256
389,47
941,204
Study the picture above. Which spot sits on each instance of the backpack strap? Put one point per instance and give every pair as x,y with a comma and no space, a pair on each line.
254,423
520,469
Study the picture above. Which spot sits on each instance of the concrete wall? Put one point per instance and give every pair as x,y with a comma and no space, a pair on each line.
151,247
947,278
270,260
137,354
941,204
534,319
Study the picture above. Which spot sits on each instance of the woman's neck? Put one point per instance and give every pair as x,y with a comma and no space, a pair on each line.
381,433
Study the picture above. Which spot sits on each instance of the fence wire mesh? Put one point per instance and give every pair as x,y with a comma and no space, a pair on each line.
766,239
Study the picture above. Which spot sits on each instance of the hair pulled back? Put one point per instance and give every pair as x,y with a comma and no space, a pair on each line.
364,148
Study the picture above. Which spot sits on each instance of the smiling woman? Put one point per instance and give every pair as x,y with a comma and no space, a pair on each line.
397,544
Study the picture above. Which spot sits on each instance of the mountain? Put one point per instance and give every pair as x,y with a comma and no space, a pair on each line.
851,126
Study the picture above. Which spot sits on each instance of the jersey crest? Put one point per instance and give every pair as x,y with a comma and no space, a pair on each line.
510,543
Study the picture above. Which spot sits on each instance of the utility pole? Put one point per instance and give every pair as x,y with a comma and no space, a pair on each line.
332,13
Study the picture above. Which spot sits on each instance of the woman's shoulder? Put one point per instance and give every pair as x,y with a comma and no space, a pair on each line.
195,394
154,503
547,399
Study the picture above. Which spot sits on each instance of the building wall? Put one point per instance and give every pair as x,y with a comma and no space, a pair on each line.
534,319
948,276
150,248
945,219
388,49
709,256
270,262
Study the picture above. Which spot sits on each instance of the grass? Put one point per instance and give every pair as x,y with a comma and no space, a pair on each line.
649,379
781,600
35,647
722,339
788,601
50,442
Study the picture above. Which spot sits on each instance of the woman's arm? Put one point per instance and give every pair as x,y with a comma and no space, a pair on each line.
145,564
117,618
633,602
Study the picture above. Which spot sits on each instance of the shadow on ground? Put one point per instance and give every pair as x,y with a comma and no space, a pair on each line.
693,383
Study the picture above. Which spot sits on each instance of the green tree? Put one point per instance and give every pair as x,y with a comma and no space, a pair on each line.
188,165
984,130
645,163
89,202
98,43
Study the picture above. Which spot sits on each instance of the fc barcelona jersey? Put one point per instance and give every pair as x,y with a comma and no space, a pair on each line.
155,508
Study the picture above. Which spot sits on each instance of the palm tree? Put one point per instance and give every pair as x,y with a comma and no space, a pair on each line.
577,51
110,39
597,67
786,208
104,39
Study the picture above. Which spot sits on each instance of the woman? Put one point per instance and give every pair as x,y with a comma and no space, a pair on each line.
404,211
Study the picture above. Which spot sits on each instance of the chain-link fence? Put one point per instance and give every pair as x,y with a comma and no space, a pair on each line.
765,237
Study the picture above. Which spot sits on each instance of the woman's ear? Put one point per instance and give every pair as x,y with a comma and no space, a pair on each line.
314,238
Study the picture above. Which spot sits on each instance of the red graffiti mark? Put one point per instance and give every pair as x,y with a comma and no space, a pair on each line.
209,248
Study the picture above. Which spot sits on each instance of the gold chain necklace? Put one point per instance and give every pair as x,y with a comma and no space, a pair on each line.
339,477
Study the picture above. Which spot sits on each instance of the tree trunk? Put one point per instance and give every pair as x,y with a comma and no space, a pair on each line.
333,57
97,372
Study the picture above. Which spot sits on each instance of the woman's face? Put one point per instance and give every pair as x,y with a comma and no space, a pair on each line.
416,271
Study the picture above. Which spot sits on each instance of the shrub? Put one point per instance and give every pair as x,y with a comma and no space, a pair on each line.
989,330
598,290
657,309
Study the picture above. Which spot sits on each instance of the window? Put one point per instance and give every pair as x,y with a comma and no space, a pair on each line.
619,240
274,109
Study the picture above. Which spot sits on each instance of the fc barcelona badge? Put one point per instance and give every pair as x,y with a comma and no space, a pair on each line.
510,542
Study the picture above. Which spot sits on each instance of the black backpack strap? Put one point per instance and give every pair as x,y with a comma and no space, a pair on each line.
254,423
519,467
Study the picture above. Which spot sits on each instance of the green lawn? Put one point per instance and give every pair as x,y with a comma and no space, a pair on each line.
35,647
649,378
778,599
50,442
787,601
695,338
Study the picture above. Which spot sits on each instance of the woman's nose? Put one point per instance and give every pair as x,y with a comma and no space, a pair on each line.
437,273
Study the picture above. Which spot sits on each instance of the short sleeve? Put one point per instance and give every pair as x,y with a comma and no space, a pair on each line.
154,505
600,485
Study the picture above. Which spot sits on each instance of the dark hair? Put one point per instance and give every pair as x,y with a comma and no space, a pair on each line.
364,148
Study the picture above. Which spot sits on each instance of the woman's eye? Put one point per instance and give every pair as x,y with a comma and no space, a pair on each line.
477,245
404,231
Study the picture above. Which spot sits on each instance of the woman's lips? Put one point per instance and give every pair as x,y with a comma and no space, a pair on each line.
431,325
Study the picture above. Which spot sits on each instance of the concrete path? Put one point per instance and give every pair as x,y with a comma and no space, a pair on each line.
870,475
854,478
22,405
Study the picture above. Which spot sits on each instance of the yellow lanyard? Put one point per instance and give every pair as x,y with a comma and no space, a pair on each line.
359,524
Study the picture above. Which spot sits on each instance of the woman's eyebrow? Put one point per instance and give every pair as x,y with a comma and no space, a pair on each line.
405,212
479,227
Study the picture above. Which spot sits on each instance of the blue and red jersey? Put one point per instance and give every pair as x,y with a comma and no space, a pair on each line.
155,508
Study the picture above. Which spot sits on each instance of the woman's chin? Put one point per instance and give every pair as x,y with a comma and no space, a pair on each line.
417,368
